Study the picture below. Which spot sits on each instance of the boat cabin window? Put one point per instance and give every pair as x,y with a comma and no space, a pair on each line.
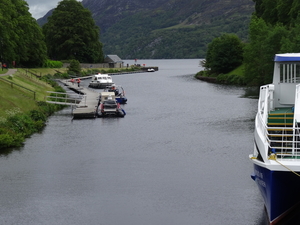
289,73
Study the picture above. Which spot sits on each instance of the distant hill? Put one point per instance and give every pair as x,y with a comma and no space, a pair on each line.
166,28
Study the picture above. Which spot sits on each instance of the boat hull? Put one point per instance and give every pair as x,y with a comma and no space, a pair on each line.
119,113
99,85
121,100
279,190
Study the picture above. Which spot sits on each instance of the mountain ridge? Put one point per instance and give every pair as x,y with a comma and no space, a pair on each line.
165,28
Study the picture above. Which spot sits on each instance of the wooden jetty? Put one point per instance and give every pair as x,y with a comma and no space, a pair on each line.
87,107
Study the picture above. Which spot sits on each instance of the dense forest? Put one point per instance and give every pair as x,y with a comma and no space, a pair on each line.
164,32
21,39
70,34
166,28
274,28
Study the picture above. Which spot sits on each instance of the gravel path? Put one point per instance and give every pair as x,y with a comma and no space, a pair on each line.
9,72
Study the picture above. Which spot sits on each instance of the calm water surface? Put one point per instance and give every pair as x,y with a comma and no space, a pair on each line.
179,157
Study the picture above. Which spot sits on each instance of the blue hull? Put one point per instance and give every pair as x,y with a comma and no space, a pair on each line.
280,191
121,100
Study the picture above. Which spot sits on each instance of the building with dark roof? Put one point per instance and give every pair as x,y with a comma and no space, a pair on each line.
113,61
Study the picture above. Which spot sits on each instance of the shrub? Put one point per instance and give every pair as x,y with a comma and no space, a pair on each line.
36,115
52,64
74,67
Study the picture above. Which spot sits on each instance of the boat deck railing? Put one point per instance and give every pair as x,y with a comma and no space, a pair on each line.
284,142
283,139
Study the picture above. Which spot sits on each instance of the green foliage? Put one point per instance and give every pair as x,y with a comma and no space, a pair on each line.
21,38
265,42
36,115
19,126
52,64
269,36
231,79
150,37
280,11
224,54
74,67
71,33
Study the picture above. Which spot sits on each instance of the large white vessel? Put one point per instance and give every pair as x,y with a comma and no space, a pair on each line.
101,81
276,156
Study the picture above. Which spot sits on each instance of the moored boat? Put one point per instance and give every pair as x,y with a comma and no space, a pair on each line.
101,81
150,70
108,106
119,93
276,156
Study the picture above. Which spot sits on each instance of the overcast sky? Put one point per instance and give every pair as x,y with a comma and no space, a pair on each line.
38,8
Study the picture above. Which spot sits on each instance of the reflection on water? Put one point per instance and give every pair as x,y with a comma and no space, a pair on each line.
251,92
180,156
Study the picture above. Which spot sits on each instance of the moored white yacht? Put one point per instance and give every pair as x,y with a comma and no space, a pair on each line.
101,81
276,156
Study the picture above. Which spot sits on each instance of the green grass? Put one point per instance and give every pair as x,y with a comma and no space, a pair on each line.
239,71
3,71
235,77
13,97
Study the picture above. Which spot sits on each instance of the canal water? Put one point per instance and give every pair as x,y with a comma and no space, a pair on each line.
179,156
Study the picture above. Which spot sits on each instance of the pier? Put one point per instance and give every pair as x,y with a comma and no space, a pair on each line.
85,102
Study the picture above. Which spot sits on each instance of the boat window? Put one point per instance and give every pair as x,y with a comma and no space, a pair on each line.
111,102
289,73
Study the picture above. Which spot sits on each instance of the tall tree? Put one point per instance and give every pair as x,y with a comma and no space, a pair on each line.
224,54
259,7
21,39
283,9
71,33
265,42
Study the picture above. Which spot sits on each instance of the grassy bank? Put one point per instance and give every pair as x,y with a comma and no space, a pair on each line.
235,77
23,110
13,96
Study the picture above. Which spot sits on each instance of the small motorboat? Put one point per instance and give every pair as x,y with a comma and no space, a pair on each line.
119,93
108,106
101,81
150,70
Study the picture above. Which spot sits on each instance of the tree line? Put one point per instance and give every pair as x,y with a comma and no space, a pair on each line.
274,28
69,34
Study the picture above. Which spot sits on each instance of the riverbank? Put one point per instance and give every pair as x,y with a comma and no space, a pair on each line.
207,79
23,110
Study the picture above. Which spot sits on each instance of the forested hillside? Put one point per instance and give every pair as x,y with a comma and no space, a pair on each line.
21,38
274,28
166,28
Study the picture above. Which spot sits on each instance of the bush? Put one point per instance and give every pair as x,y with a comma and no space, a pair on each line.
53,64
10,140
231,79
19,126
74,67
224,54
36,115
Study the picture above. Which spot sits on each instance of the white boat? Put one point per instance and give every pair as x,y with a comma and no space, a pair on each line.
101,81
108,106
150,70
276,156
